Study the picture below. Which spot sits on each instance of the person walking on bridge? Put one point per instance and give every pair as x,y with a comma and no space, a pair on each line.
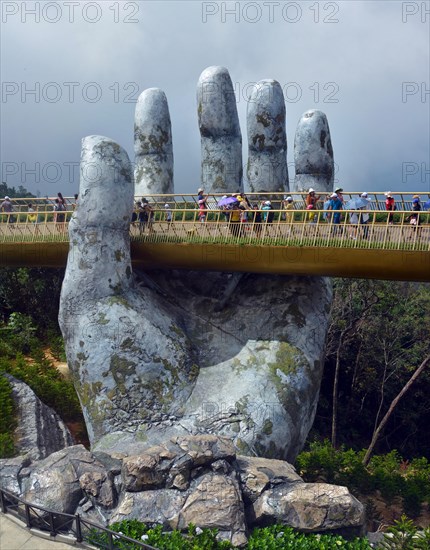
390,206
7,207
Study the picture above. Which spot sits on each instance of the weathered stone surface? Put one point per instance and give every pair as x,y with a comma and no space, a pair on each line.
313,153
267,139
215,502
53,483
310,507
161,506
11,473
258,474
214,494
40,431
100,487
153,148
221,138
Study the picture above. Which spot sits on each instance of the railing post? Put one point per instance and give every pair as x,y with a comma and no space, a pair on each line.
51,524
27,515
78,528
2,502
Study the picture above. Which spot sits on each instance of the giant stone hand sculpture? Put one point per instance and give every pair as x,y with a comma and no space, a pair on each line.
176,357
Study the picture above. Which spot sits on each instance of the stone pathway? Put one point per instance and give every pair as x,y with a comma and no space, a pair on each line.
14,535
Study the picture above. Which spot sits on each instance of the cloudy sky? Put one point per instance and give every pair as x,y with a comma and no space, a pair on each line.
71,69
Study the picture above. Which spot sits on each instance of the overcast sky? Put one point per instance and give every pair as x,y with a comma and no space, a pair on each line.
71,69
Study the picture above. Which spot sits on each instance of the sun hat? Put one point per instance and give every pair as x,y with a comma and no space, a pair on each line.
333,196
388,194
200,190
416,197
7,199
364,195
311,190
267,202
338,189
289,198
166,205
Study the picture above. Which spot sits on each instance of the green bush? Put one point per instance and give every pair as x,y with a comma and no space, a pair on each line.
403,535
7,418
275,537
47,383
389,474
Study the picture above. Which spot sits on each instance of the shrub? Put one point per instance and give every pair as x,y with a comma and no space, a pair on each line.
7,418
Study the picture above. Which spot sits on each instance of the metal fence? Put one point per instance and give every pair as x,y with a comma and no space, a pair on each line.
56,523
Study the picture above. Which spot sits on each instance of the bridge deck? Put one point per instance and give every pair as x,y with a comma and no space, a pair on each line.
306,243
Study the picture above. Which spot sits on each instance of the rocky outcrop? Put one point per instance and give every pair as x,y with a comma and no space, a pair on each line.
221,138
313,153
267,139
153,168
194,479
40,431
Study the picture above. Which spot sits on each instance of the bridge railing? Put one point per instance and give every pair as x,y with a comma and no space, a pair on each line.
401,230
58,523
403,200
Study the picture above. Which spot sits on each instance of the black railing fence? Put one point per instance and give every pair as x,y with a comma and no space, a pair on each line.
58,523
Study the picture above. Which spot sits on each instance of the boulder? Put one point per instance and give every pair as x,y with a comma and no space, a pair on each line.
53,483
215,502
40,430
258,474
310,507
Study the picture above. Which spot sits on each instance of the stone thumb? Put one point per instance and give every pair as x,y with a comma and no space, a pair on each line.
99,256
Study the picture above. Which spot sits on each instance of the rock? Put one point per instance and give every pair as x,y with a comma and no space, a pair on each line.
11,473
161,506
313,153
153,148
221,138
53,483
258,474
40,431
211,495
215,502
310,507
267,139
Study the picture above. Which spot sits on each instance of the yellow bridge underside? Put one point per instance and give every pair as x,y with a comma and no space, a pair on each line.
283,260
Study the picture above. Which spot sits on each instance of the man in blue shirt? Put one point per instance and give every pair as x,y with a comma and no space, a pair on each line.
335,205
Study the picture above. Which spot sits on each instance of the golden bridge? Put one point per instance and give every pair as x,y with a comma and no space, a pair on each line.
298,241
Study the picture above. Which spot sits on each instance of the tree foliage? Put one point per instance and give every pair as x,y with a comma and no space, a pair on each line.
379,336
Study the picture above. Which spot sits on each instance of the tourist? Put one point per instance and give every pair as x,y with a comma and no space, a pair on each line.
168,214
339,193
326,205
426,205
390,206
414,219
267,214
75,203
311,203
7,207
202,210
257,220
364,217
335,206
59,217
235,225
142,217
288,205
